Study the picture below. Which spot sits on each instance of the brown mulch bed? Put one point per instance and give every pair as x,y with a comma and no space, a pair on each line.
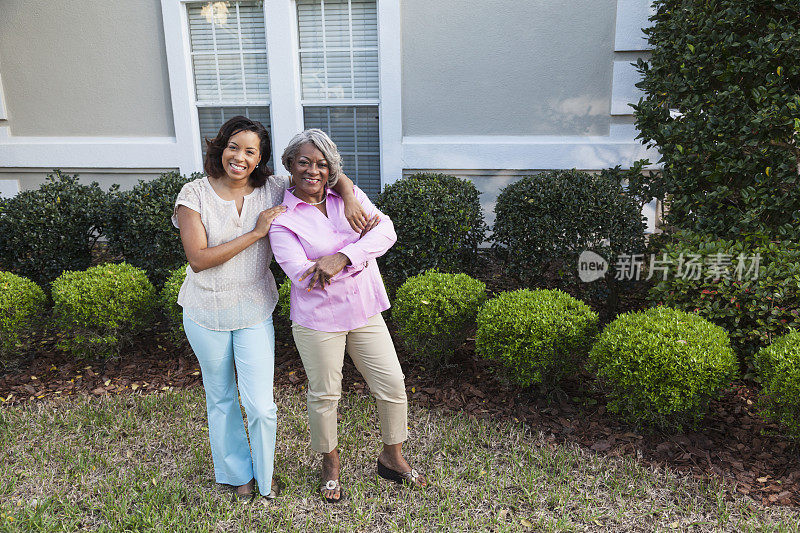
734,444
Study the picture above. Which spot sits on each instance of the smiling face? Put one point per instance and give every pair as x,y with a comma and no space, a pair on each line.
241,155
310,171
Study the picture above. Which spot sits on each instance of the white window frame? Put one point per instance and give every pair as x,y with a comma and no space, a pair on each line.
283,58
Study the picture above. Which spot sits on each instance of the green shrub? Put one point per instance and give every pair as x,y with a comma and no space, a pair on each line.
51,229
139,229
546,220
778,366
283,308
435,313
169,299
439,224
538,336
754,311
722,102
101,308
22,303
662,366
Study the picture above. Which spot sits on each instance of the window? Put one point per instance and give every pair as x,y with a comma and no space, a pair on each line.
338,49
329,63
229,62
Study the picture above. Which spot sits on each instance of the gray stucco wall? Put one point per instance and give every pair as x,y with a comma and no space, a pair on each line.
104,74
507,67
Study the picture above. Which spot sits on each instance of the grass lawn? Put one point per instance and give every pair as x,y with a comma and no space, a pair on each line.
142,462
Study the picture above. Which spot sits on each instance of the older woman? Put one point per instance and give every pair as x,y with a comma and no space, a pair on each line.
336,301
229,294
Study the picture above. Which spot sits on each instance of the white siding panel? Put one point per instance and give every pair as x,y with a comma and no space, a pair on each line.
3,115
8,188
624,90
632,16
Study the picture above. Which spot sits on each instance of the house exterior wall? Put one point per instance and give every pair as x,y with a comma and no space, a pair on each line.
501,67
84,68
14,180
487,90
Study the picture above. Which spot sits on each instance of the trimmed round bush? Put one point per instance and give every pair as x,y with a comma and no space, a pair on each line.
169,299
102,307
778,365
138,226
439,224
22,302
546,220
51,229
663,366
435,312
538,336
284,290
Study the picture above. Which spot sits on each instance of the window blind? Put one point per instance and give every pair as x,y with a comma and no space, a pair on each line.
229,54
229,60
338,48
354,129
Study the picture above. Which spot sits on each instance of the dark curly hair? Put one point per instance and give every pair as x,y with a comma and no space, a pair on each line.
214,148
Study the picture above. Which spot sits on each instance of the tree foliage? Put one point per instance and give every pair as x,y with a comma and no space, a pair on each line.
723,106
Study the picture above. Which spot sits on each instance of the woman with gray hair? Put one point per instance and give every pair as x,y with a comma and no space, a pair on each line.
336,300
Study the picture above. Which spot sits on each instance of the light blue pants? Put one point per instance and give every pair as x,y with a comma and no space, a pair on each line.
252,352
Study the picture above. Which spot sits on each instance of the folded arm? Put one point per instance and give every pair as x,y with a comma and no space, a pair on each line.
376,241
289,253
376,238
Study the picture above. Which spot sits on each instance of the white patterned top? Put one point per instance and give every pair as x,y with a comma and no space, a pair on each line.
240,292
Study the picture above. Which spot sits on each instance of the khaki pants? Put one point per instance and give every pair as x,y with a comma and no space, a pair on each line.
372,351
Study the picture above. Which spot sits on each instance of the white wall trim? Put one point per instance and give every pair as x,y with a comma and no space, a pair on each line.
390,51
3,114
284,74
90,152
181,83
526,152
8,188
632,16
623,88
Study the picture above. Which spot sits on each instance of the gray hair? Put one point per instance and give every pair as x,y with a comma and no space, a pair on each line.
323,143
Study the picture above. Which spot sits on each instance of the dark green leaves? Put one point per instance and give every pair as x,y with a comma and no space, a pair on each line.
730,68
51,229
549,218
439,224
139,226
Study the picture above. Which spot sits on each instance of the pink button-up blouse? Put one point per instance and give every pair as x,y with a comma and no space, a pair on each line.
302,233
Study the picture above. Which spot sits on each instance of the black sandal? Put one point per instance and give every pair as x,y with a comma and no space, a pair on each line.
411,478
